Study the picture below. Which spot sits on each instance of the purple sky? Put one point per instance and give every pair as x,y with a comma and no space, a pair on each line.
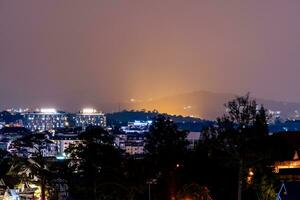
75,53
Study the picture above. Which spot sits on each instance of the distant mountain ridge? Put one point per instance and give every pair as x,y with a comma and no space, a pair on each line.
208,105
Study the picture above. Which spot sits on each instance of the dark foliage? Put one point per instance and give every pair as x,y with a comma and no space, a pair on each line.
240,140
96,165
216,168
166,148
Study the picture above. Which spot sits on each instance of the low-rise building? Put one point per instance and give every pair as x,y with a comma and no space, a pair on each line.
134,148
135,143
140,127
131,138
193,138
63,141
9,134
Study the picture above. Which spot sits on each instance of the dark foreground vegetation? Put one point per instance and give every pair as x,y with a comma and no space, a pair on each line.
233,161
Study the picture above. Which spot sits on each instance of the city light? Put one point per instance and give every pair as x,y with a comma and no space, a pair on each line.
60,157
48,110
89,111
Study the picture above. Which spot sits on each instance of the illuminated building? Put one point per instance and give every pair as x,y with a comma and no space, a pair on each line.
6,193
131,143
9,134
132,137
45,119
134,144
288,167
193,139
137,127
89,117
274,116
11,119
26,191
63,141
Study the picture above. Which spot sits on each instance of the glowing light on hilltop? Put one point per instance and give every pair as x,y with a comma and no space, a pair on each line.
48,110
88,111
187,107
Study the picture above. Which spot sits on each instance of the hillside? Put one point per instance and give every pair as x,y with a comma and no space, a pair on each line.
207,105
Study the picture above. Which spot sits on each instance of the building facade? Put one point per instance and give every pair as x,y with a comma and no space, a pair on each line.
89,117
132,137
63,141
45,119
140,127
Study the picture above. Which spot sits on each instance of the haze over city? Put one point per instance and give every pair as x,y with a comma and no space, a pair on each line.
149,100
70,55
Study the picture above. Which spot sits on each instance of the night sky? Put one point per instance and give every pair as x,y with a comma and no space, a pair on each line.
73,53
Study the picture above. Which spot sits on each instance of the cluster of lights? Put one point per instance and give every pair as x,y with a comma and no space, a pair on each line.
187,107
48,110
90,116
89,111
50,118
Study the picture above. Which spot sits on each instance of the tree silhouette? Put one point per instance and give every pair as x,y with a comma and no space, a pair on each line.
96,162
5,162
34,163
165,148
238,136
194,192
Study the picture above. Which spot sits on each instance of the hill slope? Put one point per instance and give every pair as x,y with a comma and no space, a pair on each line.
207,105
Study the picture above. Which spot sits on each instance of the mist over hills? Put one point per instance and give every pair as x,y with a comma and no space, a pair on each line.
207,105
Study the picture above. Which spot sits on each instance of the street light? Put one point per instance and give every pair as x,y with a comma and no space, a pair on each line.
150,182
